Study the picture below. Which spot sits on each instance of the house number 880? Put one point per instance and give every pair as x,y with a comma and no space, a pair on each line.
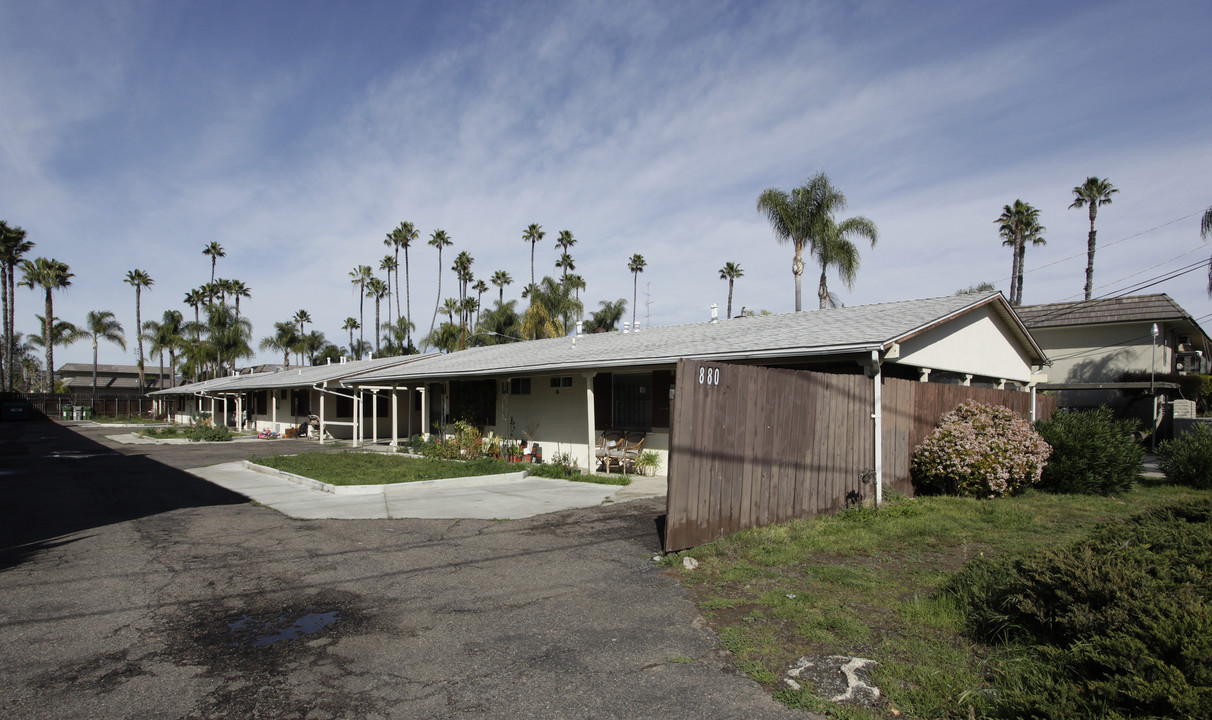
709,376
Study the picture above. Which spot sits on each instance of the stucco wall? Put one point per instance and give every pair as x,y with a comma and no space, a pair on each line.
978,343
1099,353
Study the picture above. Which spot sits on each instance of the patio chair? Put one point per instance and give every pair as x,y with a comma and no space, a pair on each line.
609,449
633,445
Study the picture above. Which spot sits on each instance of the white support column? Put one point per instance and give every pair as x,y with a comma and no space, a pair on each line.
967,380
923,375
273,411
424,411
357,418
322,394
592,431
1001,383
239,413
224,411
408,410
395,418
374,417
878,417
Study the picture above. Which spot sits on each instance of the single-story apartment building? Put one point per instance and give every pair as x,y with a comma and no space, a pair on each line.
562,393
111,379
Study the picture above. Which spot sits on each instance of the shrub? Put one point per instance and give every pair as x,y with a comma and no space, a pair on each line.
979,450
1187,459
1115,625
1092,453
208,433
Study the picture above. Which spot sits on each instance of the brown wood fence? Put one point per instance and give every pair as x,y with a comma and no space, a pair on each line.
105,406
752,446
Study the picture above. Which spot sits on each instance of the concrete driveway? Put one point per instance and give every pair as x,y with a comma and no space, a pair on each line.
132,589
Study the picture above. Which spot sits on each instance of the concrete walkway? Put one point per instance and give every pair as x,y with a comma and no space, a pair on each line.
491,498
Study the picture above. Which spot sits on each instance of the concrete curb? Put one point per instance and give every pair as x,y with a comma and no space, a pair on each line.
386,488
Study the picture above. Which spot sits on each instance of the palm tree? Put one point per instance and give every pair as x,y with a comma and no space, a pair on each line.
450,307
439,239
402,237
169,338
396,342
237,289
215,251
730,272
351,324
194,298
532,235
1017,225
833,248
358,276
607,318
138,280
313,344
301,317
480,287
576,283
796,216
62,334
1092,193
500,278
377,289
102,325
285,339
462,270
1205,229
636,265
228,336
565,242
499,325
13,246
359,349
50,275
389,264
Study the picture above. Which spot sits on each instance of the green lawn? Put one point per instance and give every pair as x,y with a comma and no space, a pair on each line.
864,583
360,468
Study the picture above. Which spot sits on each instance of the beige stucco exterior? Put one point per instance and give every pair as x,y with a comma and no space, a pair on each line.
973,344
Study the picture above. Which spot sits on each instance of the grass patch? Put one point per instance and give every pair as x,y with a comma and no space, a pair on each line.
866,583
359,468
125,420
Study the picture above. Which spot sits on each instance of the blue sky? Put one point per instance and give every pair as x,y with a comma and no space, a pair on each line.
298,134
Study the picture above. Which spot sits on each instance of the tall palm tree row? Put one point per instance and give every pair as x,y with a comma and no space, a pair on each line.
359,276
636,265
49,275
1017,225
13,247
730,272
402,237
439,239
1092,194
139,279
102,325
166,336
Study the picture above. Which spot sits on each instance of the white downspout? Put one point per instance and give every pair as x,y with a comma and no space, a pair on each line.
878,417
395,418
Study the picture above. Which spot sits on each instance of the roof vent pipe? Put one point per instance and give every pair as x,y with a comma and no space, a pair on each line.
715,312
637,326
626,326
329,359
580,327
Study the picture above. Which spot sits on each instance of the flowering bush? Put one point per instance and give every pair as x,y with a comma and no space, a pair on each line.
981,451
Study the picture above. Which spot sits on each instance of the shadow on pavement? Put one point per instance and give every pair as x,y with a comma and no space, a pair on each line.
56,484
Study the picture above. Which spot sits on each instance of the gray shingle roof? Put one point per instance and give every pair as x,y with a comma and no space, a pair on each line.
805,334
304,376
1133,308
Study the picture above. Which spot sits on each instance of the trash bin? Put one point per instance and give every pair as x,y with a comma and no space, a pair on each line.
88,413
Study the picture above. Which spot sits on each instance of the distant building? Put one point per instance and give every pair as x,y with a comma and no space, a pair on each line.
111,379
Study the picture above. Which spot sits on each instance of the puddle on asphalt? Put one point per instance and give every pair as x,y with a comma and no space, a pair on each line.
260,631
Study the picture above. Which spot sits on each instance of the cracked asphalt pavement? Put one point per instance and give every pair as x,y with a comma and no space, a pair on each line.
132,589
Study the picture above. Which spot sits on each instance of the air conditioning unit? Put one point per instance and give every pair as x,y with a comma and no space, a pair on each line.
1187,363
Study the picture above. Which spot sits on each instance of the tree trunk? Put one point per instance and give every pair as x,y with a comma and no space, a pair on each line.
797,269
438,300
728,314
1021,248
1014,273
822,292
5,375
1090,253
377,324
139,335
94,373
47,324
407,294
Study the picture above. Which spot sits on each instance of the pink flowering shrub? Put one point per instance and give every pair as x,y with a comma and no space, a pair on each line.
979,450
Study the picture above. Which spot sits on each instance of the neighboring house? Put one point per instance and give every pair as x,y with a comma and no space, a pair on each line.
111,379
1092,343
281,397
563,392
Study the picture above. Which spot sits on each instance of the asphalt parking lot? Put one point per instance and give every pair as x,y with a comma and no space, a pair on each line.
133,589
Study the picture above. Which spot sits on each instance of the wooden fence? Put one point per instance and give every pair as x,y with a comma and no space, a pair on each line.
54,405
752,446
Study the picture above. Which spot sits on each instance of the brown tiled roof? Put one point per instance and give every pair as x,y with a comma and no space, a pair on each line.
1133,308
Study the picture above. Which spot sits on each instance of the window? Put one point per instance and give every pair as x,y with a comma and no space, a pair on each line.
635,401
300,402
561,382
474,401
519,386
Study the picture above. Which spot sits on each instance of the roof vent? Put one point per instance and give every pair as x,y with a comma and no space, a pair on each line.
626,326
637,326
715,312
